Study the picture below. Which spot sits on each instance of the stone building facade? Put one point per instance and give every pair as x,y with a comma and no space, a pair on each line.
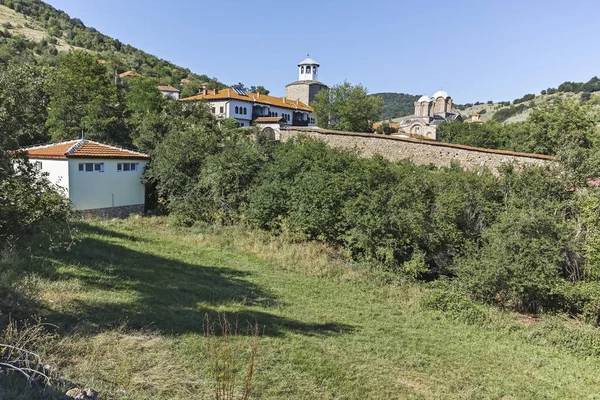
307,86
429,113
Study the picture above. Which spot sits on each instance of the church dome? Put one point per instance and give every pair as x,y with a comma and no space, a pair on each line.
309,61
440,93
424,99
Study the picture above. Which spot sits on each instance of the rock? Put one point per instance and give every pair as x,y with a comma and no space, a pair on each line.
79,394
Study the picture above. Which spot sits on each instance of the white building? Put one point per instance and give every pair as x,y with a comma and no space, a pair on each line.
169,91
245,107
98,179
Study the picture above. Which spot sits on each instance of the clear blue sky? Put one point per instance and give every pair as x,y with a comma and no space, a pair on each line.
475,50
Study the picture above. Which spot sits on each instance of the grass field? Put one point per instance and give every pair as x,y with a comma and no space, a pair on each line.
131,297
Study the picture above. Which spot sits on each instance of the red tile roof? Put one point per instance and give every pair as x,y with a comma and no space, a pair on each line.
82,148
230,93
129,73
167,88
268,119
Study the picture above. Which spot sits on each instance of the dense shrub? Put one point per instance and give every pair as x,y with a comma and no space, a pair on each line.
33,212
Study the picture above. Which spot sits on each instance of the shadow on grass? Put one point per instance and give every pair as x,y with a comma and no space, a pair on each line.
146,291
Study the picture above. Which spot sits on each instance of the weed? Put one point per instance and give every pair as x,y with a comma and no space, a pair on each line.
224,353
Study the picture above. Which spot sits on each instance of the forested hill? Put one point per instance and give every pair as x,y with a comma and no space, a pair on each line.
34,32
396,104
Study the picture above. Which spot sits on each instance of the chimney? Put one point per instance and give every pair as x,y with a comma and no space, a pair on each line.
284,100
216,91
258,94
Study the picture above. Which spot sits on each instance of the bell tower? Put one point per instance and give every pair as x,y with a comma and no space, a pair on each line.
307,86
308,69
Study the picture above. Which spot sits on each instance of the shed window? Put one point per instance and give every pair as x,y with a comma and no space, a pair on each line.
91,167
38,165
128,167
237,109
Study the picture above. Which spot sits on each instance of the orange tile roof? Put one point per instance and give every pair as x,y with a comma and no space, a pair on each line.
82,148
129,73
392,125
229,93
167,88
268,119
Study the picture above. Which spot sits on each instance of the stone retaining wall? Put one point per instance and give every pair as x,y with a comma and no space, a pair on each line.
113,212
418,151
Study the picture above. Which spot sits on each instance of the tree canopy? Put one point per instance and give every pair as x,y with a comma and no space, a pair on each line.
347,107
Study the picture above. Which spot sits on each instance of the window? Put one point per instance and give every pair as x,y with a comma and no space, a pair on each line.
236,109
221,110
245,111
128,167
214,110
308,70
38,165
301,70
315,70
91,167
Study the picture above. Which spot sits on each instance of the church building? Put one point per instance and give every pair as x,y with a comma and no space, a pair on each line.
429,113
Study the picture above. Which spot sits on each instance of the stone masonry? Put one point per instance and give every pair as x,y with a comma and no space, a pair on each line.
113,212
424,152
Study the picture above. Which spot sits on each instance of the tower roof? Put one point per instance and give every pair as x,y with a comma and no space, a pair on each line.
424,99
309,61
440,93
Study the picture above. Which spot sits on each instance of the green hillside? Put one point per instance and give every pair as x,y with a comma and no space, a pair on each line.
34,32
396,104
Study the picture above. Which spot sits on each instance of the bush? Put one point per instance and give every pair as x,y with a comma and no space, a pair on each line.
33,211
455,305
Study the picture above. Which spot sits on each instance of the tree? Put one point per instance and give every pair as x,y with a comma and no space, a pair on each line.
23,103
189,90
146,113
82,99
259,89
347,107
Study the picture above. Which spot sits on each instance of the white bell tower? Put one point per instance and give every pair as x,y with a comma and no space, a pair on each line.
308,69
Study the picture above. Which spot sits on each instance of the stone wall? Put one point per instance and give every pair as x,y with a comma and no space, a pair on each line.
112,212
418,151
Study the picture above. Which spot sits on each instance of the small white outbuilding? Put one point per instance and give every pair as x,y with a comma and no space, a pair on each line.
99,179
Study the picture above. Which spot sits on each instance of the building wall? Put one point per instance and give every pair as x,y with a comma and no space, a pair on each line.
93,190
173,95
57,170
419,152
246,119
305,92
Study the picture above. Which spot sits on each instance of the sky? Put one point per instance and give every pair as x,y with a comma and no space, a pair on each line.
475,50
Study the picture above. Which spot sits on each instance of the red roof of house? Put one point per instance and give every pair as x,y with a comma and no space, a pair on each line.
167,88
231,93
129,73
268,119
82,148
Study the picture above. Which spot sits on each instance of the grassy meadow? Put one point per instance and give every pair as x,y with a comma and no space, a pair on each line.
130,301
